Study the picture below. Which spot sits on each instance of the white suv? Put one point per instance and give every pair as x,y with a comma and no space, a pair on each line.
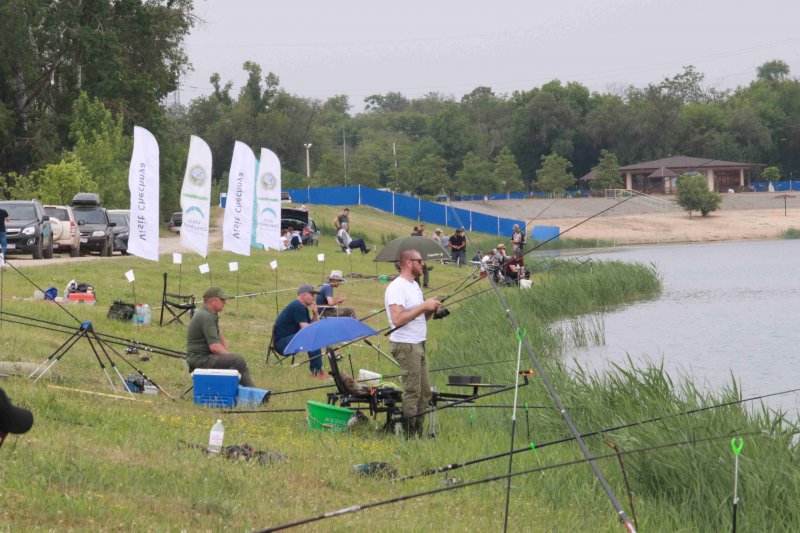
66,236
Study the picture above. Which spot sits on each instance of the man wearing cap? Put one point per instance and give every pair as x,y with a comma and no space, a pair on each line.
12,419
458,247
206,347
328,302
292,319
440,238
408,312
498,263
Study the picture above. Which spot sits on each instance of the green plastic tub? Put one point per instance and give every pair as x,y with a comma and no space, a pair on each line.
328,417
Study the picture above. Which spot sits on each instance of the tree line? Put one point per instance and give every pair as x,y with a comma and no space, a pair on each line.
76,76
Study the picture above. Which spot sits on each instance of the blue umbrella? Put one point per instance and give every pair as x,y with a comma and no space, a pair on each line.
326,332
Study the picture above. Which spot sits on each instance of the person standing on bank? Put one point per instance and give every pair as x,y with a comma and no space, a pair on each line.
458,245
206,347
344,218
518,241
408,312
3,240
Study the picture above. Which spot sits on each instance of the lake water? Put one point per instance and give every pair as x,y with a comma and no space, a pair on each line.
726,309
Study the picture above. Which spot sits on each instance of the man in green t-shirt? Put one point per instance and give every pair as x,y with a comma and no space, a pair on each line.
206,347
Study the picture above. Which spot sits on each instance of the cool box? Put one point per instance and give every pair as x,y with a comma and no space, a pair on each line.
215,387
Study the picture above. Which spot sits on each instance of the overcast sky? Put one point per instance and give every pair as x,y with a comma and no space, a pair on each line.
358,48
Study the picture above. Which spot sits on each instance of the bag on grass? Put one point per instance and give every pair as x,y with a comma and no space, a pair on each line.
120,310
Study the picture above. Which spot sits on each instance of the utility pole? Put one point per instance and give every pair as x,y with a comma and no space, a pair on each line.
344,156
308,161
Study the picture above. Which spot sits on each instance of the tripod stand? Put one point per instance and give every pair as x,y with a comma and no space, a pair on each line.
98,346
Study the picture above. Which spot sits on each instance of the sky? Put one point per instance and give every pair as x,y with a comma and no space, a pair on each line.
321,48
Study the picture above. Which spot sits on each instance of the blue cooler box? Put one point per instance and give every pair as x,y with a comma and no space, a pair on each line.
215,388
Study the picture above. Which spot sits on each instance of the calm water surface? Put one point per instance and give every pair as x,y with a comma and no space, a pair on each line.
727,309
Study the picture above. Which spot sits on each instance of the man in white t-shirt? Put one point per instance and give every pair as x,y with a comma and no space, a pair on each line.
408,311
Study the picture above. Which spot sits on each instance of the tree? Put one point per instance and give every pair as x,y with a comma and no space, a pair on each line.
693,194
58,183
432,176
103,149
554,176
606,173
476,176
775,70
771,174
506,172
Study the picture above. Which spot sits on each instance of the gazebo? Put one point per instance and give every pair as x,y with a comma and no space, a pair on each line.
659,175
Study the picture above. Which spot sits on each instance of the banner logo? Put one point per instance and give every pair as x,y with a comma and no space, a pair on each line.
198,175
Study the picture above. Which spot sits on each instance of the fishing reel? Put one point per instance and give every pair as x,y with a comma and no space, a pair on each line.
440,313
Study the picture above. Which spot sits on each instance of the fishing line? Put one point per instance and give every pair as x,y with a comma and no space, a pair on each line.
397,499
455,466
29,280
128,343
557,400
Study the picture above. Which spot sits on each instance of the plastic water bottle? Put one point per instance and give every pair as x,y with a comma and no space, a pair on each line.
143,315
216,437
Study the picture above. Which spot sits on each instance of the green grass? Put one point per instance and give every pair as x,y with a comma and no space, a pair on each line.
790,233
96,463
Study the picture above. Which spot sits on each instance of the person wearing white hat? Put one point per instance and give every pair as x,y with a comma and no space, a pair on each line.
327,303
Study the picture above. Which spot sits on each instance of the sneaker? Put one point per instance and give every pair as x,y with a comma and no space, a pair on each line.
321,375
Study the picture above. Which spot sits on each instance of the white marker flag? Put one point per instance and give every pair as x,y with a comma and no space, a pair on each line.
196,197
237,226
268,201
204,269
233,266
129,276
273,264
143,186
177,258
321,257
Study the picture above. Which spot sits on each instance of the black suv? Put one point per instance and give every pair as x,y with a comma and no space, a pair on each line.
28,229
97,233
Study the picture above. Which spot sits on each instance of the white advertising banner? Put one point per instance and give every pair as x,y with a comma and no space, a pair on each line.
237,226
196,197
268,201
143,186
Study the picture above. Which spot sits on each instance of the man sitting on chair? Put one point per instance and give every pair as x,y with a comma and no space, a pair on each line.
206,347
346,241
292,319
328,302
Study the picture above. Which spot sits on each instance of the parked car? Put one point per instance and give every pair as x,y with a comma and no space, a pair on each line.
97,231
175,222
28,229
300,219
122,229
66,237
285,197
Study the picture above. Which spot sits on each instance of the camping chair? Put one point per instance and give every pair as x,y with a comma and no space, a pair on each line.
271,348
322,308
376,399
176,304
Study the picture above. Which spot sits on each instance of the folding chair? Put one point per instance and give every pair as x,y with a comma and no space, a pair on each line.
279,357
376,399
176,304
322,308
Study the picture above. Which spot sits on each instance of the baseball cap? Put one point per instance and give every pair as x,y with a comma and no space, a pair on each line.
438,230
337,275
215,292
13,419
305,287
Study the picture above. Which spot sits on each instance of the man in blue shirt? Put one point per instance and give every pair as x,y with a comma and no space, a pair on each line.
292,319
3,241
330,303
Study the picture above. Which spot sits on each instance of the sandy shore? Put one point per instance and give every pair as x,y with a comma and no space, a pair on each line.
741,218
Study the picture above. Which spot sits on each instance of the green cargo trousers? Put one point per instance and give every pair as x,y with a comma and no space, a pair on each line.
414,371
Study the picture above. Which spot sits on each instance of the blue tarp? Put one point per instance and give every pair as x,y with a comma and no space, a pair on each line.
545,233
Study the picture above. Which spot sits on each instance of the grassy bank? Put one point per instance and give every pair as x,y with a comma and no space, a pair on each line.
96,463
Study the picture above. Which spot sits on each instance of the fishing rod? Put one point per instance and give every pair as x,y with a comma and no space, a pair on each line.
121,341
455,466
444,369
274,291
557,400
462,485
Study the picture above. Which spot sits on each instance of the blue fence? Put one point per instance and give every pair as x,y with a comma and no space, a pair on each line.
406,206
777,186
